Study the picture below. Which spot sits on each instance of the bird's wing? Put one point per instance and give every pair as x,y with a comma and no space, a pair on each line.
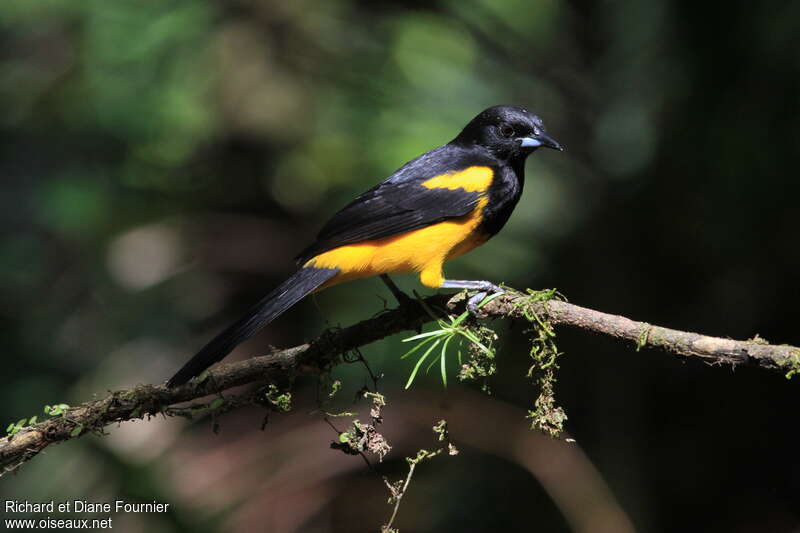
401,203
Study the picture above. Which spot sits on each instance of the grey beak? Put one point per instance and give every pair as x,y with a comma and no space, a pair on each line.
541,140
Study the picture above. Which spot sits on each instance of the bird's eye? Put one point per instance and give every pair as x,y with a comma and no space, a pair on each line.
506,131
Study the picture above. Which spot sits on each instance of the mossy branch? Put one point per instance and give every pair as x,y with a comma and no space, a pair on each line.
714,350
280,366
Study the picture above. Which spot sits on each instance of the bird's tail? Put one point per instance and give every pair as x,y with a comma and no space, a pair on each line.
287,294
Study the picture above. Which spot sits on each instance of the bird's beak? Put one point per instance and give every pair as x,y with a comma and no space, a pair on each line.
540,140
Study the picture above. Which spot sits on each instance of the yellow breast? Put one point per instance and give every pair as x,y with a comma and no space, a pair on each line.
424,250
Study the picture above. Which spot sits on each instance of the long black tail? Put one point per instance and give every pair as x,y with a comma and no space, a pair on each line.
268,309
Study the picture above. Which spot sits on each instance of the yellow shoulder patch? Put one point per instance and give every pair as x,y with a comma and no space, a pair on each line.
471,179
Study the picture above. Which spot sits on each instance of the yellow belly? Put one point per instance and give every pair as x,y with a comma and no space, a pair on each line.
424,250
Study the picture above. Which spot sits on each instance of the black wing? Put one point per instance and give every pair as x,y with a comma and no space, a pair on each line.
401,203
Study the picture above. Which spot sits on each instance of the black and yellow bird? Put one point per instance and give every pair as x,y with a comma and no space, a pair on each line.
434,208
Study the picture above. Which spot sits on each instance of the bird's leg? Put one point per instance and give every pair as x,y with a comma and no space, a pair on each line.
401,297
484,288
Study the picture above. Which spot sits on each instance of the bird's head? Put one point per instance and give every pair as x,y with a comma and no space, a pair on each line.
509,132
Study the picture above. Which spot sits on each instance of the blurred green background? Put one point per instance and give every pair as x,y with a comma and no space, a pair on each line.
162,162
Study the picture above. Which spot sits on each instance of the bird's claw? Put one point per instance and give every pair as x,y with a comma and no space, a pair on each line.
475,300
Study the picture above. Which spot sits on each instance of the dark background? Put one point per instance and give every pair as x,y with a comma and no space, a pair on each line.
162,162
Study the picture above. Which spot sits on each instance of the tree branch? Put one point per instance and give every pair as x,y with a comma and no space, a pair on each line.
327,350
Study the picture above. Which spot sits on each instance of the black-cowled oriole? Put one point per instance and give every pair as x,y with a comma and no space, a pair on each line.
434,208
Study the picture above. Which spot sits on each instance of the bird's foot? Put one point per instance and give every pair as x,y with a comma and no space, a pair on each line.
476,299
484,288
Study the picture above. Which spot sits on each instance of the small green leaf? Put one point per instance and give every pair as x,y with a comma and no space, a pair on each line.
32,420
430,365
489,299
423,335
417,347
55,410
474,340
420,361
463,316
444,360
76,431
216,404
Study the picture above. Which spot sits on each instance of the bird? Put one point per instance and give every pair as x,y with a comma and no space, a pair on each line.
434,208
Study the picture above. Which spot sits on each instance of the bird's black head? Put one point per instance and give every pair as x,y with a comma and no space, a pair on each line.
508,132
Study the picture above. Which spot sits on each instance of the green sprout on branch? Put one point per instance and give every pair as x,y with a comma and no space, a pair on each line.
437,341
